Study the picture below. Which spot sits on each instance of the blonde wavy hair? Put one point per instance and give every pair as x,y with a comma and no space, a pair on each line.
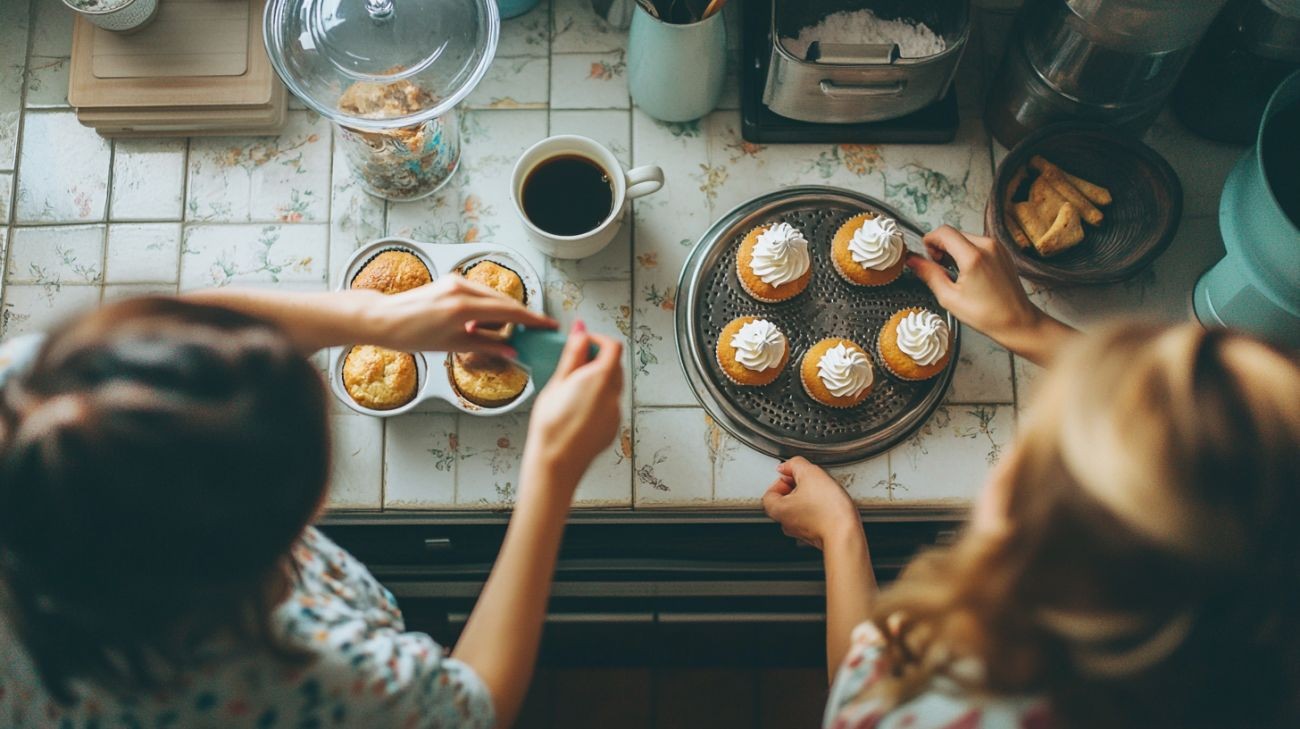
1148,569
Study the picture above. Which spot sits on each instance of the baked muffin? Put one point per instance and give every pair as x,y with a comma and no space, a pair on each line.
495,276
867,250
773,263
378,378
392,272
487,380
915,344
837,373
752,351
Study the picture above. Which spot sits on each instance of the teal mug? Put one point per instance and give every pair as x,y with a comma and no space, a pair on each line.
1256,286
675,71
515,8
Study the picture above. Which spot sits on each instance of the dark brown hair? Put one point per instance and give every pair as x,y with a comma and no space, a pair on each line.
1148,571
159,460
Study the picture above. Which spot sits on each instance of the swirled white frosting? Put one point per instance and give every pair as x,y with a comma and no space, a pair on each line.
877,244
846,372
759,345
923,336
780,255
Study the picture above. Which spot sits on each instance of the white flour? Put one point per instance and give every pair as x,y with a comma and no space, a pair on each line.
914,39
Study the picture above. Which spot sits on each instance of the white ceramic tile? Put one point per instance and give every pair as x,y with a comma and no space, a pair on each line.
356,478
1202,165
611,128
47,82
120,292
148,179
52,28
657,372
740,473
671,463
219,255
56,256
869,482
579,30
356,217
1028,375
983,371
491,448
6,196
37,308
421,454
938,184
143,253
513,83
527,35
13,57
267,179
589,81
946,461
64,172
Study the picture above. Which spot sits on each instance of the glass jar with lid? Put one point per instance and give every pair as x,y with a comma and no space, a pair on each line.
389,74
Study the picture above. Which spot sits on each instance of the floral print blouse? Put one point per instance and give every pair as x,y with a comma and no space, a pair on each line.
943,706
365,670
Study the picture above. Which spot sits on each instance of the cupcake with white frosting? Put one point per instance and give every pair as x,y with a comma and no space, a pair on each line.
837,373
773,263
868,250
915,344
752,351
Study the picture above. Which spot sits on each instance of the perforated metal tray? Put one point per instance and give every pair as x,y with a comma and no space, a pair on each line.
780,419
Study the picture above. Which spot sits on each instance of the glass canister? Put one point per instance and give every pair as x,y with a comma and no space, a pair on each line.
389,74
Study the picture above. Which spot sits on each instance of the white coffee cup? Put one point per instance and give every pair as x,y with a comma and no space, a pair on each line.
627,185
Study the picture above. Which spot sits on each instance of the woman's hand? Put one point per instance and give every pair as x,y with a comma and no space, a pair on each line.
441,316
810,505
987,294
577,415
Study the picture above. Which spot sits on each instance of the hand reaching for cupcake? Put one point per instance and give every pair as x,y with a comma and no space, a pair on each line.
987,294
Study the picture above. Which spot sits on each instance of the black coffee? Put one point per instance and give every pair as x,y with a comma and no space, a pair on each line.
1282,159
568,195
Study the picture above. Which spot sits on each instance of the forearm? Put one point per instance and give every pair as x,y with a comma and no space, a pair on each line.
1038,342
501,639
314,320
850,591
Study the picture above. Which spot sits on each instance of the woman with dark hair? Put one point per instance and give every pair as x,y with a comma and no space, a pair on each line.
161,461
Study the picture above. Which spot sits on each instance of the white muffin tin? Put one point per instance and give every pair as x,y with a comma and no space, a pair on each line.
434,368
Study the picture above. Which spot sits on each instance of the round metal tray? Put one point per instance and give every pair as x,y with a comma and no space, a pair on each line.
780,419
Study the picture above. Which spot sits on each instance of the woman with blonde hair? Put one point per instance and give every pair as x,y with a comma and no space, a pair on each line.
1131,562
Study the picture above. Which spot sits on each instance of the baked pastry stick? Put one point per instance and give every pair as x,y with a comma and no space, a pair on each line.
1095,193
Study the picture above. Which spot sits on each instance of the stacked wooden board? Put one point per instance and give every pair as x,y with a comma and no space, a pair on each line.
198,69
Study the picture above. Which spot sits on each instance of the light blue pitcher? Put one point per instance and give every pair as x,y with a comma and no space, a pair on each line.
675,72
1256,287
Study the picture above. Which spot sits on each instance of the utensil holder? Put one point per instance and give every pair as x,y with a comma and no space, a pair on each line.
675,72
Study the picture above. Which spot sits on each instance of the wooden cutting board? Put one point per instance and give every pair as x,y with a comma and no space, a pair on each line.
253,87
197,117
187,38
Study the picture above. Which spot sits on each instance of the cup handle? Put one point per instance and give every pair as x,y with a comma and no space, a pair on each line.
644,180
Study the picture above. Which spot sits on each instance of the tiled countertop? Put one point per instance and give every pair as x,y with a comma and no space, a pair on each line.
84,220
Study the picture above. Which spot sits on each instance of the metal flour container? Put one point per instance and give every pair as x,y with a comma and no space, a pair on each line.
852,82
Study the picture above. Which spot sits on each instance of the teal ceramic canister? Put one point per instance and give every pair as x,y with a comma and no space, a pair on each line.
675,71
515,8
1256,286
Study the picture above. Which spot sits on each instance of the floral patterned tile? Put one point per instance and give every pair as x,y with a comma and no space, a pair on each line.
272,179
6,196
56,256
220,255
61,182
421,454
656,370
672,464
13,59
356,473
589,81
527,35
869,482
36,308
121,292
579,30
610,128
513,83
946,461
938,184
983,371
740,473
52,28
47,82
148,179
143,253
1202,165
1028,375
356,217
490,450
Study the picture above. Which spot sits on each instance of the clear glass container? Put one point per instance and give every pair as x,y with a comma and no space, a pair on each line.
389,73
